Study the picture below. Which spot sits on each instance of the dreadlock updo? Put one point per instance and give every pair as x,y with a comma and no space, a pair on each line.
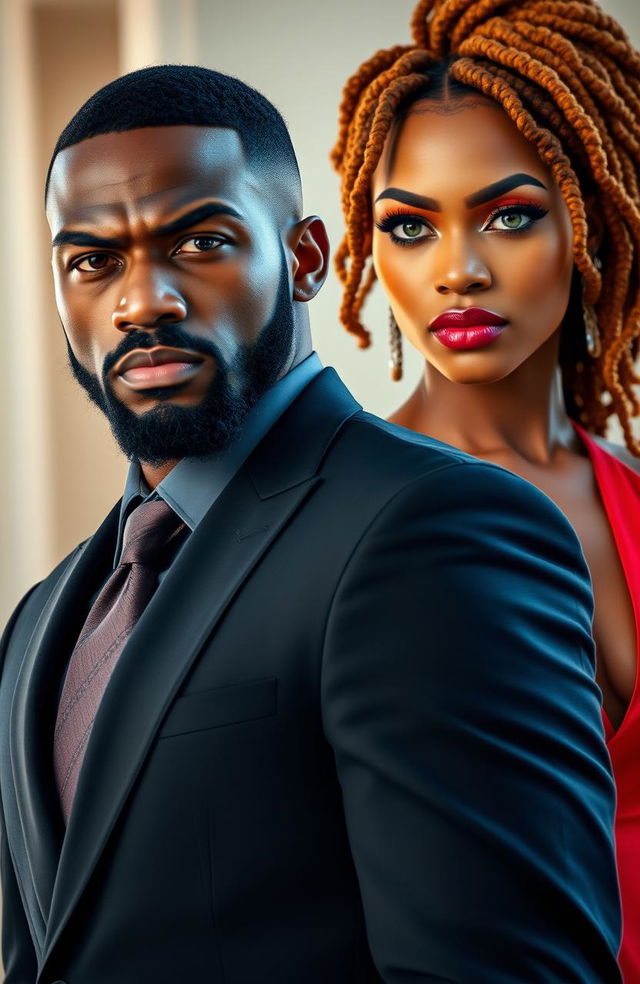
567,76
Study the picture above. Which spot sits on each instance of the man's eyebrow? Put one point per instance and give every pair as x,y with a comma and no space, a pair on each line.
502,187
195,215
477,198
190,218
68,236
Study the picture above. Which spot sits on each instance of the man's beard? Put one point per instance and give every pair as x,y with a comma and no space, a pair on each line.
169,432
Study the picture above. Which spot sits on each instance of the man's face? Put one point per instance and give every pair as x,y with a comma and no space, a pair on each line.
172,284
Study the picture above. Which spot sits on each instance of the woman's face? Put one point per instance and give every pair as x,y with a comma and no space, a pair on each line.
472,240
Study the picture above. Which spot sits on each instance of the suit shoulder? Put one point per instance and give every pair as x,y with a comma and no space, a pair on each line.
368,433
388,448
400,469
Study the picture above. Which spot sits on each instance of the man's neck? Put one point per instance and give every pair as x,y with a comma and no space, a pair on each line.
153,474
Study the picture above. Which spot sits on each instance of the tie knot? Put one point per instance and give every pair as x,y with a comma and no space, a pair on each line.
150,534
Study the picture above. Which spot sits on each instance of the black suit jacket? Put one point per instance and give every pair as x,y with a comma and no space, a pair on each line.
355,736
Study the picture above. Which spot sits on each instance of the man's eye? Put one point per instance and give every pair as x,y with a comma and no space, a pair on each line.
199,244
94,262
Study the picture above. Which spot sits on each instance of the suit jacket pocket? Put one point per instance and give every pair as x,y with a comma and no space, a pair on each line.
220,706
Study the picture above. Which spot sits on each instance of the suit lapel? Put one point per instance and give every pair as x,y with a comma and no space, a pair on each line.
32,714
220,554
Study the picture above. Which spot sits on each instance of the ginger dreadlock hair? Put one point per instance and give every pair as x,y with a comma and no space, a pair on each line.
567,76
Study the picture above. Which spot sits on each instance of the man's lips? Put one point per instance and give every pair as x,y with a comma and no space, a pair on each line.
160,366
461,318
158,356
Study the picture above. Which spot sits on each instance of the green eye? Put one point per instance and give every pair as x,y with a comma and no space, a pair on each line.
412,229
513,220
406,229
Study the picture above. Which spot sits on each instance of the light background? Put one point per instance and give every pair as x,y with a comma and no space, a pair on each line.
59,470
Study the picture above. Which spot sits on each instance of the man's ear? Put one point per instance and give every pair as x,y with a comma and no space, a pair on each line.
309,245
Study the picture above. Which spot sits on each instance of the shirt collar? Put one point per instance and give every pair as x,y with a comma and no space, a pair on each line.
194,484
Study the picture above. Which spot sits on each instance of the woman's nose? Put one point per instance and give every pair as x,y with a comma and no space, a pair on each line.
460,269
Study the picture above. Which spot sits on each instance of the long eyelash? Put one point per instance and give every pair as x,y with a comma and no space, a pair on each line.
534,212
390,220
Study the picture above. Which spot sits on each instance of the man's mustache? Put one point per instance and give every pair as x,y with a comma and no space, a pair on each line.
173,336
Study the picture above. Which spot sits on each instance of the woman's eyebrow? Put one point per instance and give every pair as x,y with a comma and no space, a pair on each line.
408,198
501,187
477,198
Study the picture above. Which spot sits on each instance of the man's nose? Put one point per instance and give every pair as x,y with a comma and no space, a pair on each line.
148,298
459,268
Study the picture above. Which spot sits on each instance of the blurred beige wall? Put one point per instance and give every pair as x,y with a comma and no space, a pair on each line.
55,451
59,471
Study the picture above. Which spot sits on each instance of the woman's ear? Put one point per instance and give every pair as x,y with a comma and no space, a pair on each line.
309,245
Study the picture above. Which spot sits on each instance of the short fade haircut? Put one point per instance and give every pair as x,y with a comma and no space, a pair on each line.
184,95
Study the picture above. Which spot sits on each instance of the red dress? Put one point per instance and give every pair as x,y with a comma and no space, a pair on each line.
619,489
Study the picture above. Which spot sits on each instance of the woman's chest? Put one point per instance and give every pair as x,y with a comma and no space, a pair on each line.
614,625
574,489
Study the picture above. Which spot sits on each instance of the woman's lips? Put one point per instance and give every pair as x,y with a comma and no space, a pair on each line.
468,328
466,318
469,338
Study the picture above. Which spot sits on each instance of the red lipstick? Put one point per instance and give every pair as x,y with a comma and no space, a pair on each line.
467,328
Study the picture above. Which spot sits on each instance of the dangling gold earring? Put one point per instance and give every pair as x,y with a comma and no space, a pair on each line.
395,349
591,329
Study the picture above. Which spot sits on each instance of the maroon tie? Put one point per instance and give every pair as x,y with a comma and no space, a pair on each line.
151,535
